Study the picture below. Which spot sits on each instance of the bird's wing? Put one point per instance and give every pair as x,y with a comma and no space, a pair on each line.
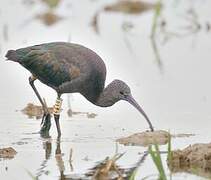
47,67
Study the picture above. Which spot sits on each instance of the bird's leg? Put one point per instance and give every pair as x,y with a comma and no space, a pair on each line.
46,119
56,112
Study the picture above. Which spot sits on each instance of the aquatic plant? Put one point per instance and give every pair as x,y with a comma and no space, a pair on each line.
156,157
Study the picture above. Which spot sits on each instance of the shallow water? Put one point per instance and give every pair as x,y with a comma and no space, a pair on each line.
176,98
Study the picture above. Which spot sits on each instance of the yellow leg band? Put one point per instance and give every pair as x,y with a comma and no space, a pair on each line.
57,106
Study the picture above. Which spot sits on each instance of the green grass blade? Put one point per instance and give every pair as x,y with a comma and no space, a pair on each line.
169,156
156,15
157,161
31,175
133,175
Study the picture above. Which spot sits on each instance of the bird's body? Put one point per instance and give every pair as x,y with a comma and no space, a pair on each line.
70,68
66,67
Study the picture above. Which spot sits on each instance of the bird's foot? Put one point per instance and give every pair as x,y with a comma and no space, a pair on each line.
45,125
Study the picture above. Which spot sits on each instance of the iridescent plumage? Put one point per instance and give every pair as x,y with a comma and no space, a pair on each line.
70,68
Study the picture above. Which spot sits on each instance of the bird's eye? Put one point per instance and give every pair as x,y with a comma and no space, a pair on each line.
121,92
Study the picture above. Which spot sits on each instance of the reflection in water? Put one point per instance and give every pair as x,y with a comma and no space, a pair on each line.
103,169
133,170
71,113
126,27
125,7
157,53
153,34
70,160
196,171
194,159
47,146
193,25
108,169
59,160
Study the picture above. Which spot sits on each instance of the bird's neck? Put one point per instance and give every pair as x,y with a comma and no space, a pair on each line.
106,97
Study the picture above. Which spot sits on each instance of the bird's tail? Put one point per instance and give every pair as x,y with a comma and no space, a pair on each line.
12,55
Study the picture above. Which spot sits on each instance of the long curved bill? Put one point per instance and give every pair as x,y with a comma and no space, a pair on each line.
133,102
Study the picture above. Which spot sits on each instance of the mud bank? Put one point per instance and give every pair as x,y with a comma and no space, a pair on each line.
195,159
7,153
146,138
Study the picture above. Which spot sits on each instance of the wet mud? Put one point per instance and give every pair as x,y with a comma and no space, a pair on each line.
125,7
195,159
49,18
89,115
34,111
129,7
146,138
49,161
7,153
182,135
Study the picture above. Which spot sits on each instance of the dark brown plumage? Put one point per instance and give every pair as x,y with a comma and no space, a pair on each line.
70,68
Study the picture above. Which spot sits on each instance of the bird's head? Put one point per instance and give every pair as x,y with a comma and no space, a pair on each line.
119,90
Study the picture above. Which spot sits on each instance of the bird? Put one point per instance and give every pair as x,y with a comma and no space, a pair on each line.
71,68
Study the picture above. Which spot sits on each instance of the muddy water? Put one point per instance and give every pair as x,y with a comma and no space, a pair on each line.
176,98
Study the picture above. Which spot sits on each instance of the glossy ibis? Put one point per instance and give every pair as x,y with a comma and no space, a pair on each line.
70,68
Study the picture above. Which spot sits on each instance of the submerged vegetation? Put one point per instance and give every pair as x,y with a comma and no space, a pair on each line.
107,169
